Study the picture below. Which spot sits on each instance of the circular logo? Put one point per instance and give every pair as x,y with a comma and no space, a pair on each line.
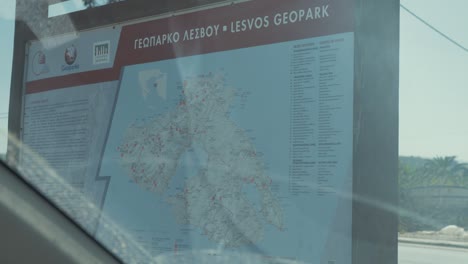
70,55
39,65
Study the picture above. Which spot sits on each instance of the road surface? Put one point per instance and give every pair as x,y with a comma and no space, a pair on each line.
423,254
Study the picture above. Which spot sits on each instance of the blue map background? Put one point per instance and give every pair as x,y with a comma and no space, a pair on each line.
260,76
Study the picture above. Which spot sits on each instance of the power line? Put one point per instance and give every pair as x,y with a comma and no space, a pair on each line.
433,28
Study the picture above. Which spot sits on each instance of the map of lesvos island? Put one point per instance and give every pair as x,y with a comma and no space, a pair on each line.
212,199
209,151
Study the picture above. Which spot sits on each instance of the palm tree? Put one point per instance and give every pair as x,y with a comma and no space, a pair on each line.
465,175
446,171
94,3
89,3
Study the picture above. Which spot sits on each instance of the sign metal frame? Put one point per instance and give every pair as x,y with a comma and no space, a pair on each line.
376,80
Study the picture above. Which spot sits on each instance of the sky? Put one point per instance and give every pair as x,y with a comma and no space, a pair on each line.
7,14
62,8
433,78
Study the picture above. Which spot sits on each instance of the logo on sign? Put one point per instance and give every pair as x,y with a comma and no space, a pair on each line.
101,52
71,54
39,63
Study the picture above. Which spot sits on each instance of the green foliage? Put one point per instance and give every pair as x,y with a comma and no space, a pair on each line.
89,3
415,172
439,171
93,3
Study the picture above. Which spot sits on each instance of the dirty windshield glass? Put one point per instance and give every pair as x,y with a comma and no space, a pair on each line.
253,131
